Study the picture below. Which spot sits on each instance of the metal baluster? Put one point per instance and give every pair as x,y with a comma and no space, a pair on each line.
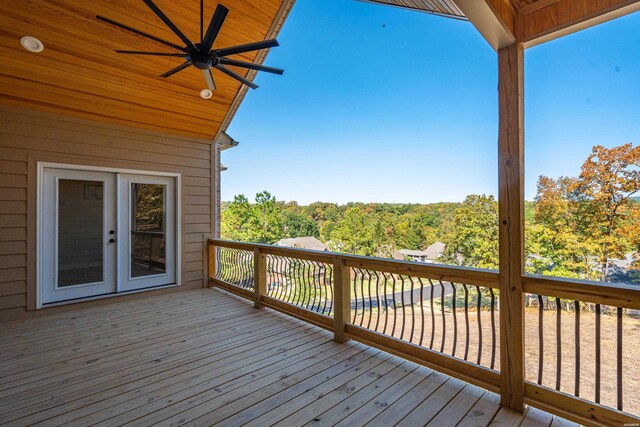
576,305
315,283
478,307
298,287
221,267
493,328
395,311
246,276
291,280
455,320
378,301
402,302
323,271
598,320
433,317
329,268
234,266
421,310
355,294
282,294
230,264
558,343
466,320
362,293
540,338
307,285
386,304
619,367
444,320
370,300
224,263
413,316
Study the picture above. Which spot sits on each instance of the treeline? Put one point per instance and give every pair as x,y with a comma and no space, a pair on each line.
575,227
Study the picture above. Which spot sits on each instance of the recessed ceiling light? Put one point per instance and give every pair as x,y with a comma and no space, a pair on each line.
32,44
206,94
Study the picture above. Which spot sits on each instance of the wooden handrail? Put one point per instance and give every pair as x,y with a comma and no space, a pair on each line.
470,276
616,295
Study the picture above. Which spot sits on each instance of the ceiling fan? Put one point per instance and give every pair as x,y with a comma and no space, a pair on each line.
202,55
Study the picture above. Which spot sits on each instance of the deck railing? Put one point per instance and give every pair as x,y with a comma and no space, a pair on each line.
447,318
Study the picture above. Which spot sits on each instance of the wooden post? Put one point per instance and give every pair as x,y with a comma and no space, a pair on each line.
511,207
210,251
341,298
259,276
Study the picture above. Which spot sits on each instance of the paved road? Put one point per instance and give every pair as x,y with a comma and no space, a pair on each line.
402,298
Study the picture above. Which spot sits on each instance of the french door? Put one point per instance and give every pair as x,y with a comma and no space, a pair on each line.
105,232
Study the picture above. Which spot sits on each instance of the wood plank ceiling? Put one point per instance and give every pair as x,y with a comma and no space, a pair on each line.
79,74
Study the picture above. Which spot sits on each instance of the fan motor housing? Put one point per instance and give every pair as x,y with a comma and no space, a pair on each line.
201,57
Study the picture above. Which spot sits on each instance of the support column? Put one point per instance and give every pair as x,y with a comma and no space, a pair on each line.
511,214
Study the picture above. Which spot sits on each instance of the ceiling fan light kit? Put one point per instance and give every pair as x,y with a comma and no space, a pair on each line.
202,55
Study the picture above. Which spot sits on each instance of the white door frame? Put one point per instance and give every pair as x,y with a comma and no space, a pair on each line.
39,220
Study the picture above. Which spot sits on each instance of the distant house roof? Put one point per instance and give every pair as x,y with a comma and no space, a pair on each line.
434,251
410,252
307,242
431,253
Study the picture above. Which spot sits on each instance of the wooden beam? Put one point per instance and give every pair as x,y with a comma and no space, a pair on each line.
494,19
562,17
511,214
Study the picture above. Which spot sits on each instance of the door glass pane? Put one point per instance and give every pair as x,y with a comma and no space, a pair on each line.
80,232
148,232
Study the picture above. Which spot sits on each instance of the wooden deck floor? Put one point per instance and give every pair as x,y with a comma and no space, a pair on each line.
205,357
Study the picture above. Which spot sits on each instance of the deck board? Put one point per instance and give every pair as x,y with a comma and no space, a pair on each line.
206,357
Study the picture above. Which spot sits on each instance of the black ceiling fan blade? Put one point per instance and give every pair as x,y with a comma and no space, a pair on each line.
168,22
176,69
136,52
251,66
247,47
236,76
208,76
215,25
140,33
201,20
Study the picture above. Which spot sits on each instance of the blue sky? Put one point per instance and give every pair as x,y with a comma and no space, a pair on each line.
380,104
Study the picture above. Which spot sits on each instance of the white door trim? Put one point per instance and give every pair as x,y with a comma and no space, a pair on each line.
40,166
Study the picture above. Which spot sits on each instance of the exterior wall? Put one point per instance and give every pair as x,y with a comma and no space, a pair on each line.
28,137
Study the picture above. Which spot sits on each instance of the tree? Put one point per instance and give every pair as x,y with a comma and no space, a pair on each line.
553,244
358,233
471,236
297,224
608,178
266,219
236,219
